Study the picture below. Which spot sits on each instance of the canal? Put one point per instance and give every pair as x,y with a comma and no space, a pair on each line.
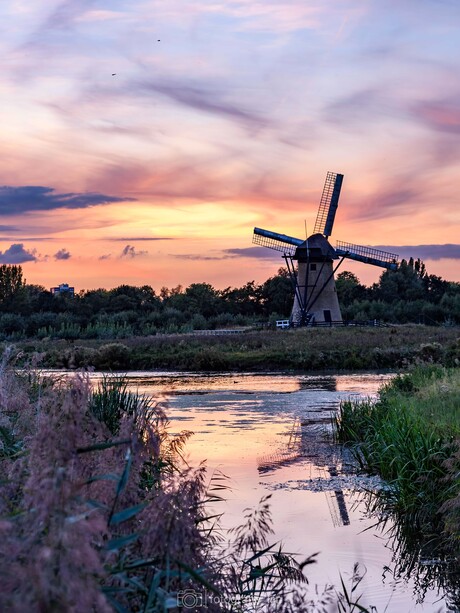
271,434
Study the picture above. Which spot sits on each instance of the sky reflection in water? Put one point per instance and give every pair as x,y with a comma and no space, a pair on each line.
243,425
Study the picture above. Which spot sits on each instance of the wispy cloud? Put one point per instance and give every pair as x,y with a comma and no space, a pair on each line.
441,115
274,16
198,257
207,99
391,202
27,239
254,252
349,110
398,198
205,178
16,254
231,254
63,16
141,238
14,200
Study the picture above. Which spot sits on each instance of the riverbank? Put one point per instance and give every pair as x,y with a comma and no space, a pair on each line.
411,438
306,349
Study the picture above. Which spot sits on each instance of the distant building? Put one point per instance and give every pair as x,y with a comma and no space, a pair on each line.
64,288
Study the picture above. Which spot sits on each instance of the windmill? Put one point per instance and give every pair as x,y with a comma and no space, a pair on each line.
315,298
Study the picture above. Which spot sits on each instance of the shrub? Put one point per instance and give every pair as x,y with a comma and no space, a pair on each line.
73,544
431,352
198,322
113,356
68,331
37,321
84,357
12,324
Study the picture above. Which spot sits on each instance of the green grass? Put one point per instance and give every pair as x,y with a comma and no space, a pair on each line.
434,398
410,437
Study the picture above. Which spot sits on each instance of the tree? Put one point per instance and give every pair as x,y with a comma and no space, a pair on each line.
36,299
130,297
202,298
435,287
166,293
349,288
12,286
244,300
277,294
94,301
406,283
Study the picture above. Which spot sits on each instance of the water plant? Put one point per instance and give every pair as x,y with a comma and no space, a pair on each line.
409,436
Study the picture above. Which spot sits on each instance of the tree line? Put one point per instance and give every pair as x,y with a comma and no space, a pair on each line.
407,295
30,311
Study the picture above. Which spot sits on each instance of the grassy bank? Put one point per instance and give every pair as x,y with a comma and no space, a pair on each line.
307,349
411,437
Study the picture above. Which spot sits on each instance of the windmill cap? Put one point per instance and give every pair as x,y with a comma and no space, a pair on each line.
315,248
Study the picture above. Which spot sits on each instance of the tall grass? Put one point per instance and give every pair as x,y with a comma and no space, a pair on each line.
410,437
82,528
425,561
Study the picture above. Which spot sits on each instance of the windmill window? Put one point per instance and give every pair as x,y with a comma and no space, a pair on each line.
312,266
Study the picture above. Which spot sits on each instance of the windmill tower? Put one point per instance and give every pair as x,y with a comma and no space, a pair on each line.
317,261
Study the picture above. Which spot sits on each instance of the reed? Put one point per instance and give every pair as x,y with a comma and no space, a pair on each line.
410,437
98,512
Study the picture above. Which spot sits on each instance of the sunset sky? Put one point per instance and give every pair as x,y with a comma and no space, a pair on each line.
142,140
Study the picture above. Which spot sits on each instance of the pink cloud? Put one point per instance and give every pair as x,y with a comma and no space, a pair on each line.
439,116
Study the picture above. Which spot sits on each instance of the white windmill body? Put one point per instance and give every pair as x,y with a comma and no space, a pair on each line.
315,280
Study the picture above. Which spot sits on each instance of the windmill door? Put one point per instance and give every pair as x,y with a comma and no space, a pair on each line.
327,316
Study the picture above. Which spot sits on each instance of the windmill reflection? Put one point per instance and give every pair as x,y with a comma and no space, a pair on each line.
309,440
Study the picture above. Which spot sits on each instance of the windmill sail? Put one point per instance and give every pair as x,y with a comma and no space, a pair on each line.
328,205
278,242
368,255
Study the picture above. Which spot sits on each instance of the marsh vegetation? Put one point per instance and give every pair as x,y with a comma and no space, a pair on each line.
411,438
99,511
308,349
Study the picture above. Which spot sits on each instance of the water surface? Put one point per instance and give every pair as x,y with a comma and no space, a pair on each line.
269,433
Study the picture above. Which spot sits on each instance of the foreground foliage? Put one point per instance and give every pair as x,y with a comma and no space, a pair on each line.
99,513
